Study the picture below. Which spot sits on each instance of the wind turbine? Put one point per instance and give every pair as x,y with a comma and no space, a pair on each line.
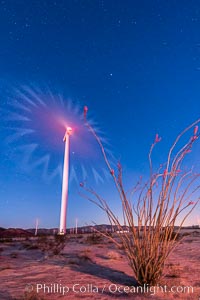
198,221
36,226
76,224
65,181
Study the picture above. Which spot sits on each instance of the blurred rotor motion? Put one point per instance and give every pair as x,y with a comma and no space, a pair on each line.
36,121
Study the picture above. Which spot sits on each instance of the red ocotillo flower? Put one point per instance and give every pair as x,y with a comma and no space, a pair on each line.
119,166
188,151
164,173
157,138
178,171
193,138
112,172
195,130
191,203
85,110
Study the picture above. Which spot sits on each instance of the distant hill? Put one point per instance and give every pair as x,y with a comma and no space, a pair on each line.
43,231
14,232
18,232
83,229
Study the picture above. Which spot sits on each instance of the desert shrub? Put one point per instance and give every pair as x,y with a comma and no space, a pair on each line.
196,233
42,239
59,238
57,249
33,247
51,246
170,235
85,255
30,245
174,270
14,254
25,245
114,255
94,238
59,244
153,209
79,236
183,235
5,240
32,296
74,261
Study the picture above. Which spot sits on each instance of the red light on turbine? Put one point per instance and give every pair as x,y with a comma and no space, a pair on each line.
69,130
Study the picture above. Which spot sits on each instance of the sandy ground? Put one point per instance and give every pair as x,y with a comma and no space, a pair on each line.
92,271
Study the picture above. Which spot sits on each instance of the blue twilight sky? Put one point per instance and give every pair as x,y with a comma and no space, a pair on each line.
135,64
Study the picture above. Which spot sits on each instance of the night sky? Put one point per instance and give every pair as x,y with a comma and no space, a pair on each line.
135,64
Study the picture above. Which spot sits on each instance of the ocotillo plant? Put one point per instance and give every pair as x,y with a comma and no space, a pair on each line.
151,214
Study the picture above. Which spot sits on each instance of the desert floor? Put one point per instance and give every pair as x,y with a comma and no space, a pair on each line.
91,270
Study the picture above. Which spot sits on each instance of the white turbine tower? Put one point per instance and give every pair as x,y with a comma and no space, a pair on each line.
36,226
76,226
65,180
198,221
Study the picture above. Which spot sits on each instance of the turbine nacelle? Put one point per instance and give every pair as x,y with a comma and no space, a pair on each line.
67,133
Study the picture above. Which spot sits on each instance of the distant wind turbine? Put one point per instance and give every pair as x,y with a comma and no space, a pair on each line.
36,226
76,230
